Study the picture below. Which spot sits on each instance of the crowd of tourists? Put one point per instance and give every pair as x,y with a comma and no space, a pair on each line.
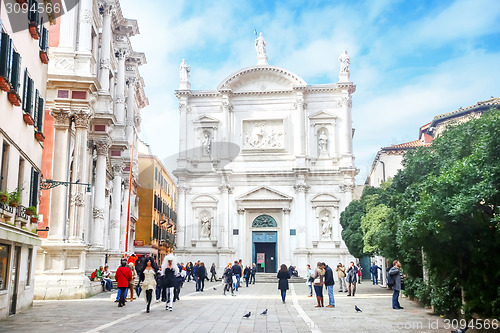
144,276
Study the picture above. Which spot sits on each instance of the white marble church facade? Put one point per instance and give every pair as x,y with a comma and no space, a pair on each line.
265,168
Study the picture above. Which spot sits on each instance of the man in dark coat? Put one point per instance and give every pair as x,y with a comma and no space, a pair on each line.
236,274
352,278
374,270
329,282
395,274
252,273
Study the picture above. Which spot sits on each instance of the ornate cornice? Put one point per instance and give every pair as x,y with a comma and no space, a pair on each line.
118,169
121,53
61,117
82,119
102,147
98,213
225,188
347,188
183,189
301,187
106,9
346,101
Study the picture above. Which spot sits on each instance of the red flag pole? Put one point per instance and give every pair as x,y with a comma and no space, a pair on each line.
129,192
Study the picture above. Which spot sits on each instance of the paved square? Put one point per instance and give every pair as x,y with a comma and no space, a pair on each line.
210,311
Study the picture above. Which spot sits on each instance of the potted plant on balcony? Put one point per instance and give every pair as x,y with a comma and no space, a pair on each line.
14,98
15,197
4,84
4,196
28,119
39,136
34,218
30,211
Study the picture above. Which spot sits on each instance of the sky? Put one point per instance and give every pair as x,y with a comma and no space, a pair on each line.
410,60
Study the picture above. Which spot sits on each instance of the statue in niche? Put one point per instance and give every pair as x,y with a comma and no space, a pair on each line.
207,144
260,45
345,61
326,226
184,71
323,142
205,225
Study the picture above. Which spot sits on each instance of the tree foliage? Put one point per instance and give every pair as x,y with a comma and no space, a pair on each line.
445,204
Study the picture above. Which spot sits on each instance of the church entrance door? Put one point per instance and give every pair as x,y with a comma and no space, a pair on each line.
264,251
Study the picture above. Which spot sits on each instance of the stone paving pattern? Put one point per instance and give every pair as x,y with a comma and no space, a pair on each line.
210,311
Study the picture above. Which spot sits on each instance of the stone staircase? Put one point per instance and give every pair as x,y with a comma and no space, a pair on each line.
271,278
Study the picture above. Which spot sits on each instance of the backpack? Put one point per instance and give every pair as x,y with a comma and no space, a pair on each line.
92,276
390,280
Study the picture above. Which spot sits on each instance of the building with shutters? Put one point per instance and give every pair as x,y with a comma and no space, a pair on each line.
90,169
23,74
265,168
155,229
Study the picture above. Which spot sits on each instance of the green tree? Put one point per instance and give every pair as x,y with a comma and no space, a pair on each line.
446,205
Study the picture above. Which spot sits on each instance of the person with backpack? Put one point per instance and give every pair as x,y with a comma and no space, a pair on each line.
341,276
329,282
394,277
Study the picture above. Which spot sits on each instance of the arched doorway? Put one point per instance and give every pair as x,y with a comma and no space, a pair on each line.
264,244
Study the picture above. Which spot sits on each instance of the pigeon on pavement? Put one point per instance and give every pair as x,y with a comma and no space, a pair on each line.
247,315
357,309
264,312
460,330
215,288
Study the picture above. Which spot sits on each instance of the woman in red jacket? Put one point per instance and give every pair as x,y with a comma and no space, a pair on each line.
123,276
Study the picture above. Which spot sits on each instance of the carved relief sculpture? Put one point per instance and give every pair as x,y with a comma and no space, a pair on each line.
323,142
326,226
264,134
207,144
205,225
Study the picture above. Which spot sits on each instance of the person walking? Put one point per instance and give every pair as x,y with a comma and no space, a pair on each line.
236,274
359,272
202,275
148,283
253,271
189,271
396,275
374,271
283,276
170,271
213,273
309,280
352,273
319,281
123,276
246,275
329,282
132,282
179,281
228,279
341,276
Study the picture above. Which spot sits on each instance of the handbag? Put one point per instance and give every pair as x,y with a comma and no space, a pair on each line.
311,279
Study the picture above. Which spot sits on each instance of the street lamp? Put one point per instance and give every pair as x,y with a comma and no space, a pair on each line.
47,184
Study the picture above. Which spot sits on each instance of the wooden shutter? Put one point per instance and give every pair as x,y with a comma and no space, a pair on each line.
40,32
35,106
39,119
16,72
25,90
34,188
33,13
29,104
6,56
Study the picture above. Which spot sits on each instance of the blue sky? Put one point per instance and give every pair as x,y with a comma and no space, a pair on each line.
410,60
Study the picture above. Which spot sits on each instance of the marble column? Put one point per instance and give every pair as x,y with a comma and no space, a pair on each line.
100,194
286,258
242,237
300,189
226,108
105,62
346,130
130,108
79,174
123,220
183,106
59,194
85,27
116,209
120,87
300,139
181,217
224,234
